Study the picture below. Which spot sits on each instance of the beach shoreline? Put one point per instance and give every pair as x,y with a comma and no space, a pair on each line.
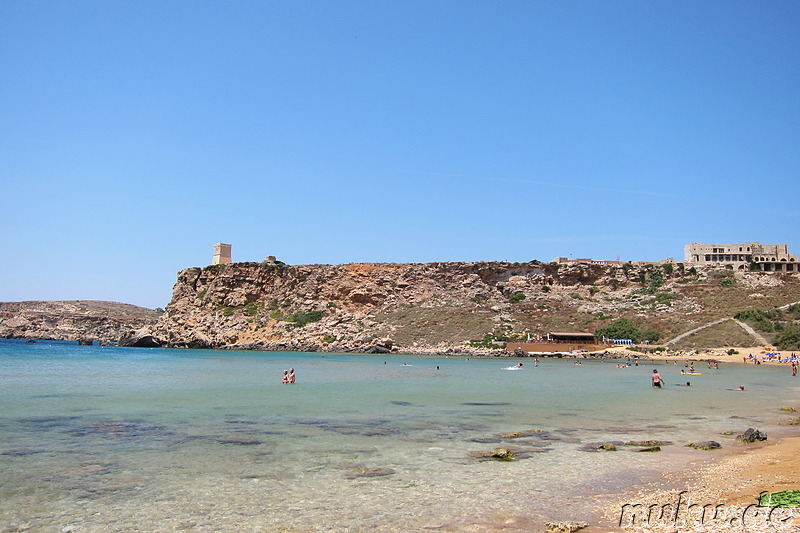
730,483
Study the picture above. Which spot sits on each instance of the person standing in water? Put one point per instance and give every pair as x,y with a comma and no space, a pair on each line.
657,379
291,376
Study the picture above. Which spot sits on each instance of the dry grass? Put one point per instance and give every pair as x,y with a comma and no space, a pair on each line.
424,325
728,333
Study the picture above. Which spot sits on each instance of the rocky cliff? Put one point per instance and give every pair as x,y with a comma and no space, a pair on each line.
445,306
80,320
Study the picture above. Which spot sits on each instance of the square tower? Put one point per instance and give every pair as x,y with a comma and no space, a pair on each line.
222,254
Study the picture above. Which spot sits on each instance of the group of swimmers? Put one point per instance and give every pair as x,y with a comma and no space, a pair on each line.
658,381
288,377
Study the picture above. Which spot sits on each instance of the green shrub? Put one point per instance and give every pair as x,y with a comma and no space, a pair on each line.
664,298
277,315
301,319
253,308
788,339
668,268
649,335
545,288
727,282
328,338
624,328
201,294
489,340
764,325
516,297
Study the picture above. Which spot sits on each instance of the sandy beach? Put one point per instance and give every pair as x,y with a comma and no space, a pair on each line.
720,495
740,355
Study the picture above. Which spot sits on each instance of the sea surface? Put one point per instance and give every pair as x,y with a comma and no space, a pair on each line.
130,439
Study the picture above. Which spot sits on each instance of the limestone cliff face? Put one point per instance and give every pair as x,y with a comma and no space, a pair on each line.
72,320
357,306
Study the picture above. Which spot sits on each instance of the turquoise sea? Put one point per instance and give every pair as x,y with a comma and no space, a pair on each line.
124,439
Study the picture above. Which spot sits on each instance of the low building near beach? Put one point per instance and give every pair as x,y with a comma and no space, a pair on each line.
560,342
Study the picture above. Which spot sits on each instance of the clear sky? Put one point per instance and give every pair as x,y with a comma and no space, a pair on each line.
135,135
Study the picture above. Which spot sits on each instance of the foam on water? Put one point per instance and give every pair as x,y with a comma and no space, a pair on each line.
99,439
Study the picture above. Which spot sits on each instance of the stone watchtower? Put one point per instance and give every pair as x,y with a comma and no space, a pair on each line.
222,254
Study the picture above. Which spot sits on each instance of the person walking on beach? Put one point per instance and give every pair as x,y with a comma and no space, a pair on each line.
657,379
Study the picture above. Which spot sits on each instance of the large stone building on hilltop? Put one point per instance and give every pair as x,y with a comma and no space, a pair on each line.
750,255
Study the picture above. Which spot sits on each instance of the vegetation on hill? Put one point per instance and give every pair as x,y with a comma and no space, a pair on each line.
781,326
625,329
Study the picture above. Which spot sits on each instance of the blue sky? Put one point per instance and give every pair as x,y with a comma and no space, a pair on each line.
135,135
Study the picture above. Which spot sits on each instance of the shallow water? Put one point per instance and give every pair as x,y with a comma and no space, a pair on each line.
117,439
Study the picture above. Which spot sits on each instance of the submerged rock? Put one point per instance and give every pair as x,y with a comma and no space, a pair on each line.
518,434
239,440
21,452
608,446
499,454
650,449
705,445
647,443
370,471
